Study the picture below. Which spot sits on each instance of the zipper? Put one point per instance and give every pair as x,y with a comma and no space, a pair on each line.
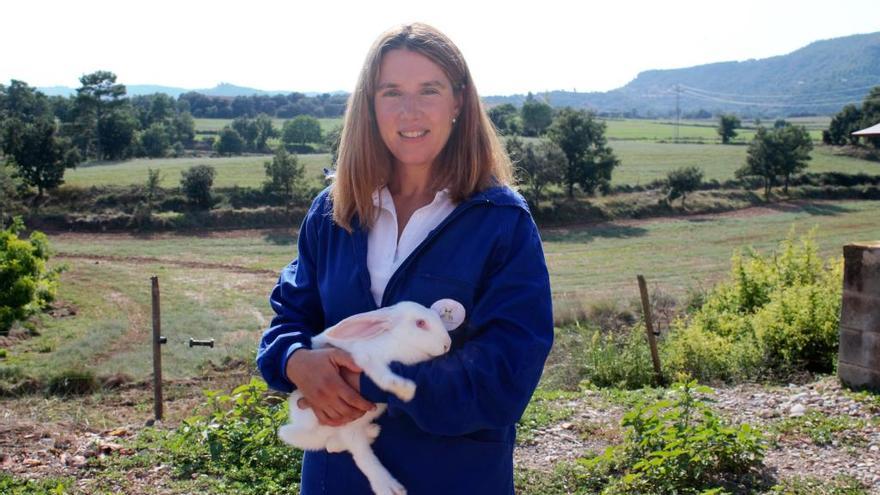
409,259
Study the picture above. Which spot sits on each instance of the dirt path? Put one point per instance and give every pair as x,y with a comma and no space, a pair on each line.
154,260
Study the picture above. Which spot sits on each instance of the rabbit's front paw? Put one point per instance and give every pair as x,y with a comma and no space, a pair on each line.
404,389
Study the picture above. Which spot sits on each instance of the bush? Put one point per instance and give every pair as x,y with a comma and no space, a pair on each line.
72,382
681,181
238,441
678,445
26,286
622,361
776,313
196,183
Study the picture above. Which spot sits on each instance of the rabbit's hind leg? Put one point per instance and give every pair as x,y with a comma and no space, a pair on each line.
380,479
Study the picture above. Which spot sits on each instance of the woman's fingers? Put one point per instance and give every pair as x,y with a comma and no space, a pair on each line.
318,375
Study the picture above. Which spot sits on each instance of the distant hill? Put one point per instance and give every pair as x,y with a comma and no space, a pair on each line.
222,89
819,78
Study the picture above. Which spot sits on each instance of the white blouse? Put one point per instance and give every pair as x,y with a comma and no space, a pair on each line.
385,252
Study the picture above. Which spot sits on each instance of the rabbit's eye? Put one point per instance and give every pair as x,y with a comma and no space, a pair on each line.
422,324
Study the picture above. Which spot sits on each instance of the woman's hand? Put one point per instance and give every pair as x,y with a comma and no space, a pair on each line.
325,377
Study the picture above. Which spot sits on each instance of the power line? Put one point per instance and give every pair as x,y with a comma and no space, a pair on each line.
776,105
789,95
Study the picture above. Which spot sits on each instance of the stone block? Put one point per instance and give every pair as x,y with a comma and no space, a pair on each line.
860,311
861,271
858,378
860,348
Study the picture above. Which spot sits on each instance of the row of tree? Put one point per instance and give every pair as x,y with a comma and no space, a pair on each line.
576,154
252,135
283,106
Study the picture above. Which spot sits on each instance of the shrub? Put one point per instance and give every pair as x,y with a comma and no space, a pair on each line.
196,183
678,445
26,286
777,313
621,361
238,441
72,382
681,181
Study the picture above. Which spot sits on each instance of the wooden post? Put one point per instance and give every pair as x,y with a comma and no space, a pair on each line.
157,351
649,328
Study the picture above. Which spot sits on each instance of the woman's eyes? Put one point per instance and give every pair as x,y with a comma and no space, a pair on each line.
392,93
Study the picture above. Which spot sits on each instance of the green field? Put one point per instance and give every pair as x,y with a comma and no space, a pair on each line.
640,162
244,171
215,125
617,129
216,285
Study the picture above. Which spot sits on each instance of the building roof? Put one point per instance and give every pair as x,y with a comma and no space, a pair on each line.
874,130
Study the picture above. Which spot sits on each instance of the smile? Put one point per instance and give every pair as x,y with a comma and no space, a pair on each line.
413,134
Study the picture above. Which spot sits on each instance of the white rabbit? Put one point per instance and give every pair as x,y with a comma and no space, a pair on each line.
406,332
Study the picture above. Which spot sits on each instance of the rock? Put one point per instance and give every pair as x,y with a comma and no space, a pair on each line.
797,410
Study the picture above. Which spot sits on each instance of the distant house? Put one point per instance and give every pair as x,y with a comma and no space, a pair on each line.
873,131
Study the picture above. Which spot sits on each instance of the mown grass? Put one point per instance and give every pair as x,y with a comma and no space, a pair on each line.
640,162
215,125
243,171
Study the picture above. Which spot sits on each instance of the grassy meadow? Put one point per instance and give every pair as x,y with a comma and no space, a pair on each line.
215,285
641,161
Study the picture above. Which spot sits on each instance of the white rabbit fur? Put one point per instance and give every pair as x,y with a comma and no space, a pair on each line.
406,332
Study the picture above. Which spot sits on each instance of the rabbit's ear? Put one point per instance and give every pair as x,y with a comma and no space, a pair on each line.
359,327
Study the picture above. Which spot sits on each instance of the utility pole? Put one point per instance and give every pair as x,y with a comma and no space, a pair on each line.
677,111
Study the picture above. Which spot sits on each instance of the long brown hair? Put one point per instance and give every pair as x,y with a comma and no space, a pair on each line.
472,159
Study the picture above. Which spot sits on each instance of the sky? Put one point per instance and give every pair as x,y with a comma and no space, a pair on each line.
511,47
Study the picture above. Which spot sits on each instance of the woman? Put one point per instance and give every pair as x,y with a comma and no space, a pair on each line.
420,209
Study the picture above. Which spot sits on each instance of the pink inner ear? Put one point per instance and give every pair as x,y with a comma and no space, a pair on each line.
358,327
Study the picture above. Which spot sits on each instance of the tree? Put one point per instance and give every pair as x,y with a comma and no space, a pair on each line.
332,139
842,125
537,166
265,132
98,95
777,153
8,193
196,183
536,116
300,130
247,129
39,153
285,175
230,142
116,133
504,118
153,187
727,125
681,181
582,139
155,140
184,128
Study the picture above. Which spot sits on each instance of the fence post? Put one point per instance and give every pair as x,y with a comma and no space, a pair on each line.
649,328
157,351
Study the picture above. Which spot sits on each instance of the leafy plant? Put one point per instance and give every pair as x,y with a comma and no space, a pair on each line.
10,485
238,441
677,445
26,285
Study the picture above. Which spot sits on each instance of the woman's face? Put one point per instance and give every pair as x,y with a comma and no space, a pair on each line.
415,105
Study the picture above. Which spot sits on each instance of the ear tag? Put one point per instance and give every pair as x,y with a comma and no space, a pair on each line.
451,313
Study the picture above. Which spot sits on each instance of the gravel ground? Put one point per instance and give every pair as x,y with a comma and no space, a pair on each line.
35,448
853,451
